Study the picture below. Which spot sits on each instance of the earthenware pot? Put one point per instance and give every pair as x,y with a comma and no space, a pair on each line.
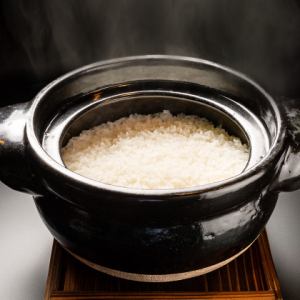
151,235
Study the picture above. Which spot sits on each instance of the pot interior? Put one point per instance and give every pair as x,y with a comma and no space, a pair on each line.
151,96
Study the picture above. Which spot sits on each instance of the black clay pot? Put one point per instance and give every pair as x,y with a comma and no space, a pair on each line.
151,235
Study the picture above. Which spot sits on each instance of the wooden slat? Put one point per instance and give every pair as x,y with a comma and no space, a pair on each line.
246,273
229,278
237,276
253,267
205,283
220,280
260,270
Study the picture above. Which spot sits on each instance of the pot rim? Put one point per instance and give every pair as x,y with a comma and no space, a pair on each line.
200,189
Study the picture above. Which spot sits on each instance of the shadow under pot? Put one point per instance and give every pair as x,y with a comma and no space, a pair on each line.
151,234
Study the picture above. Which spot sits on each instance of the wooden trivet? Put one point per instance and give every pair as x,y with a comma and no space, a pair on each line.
250,276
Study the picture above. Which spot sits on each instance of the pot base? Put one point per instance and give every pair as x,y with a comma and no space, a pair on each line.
156,277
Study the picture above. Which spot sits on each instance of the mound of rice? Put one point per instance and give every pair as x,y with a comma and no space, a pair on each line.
158,151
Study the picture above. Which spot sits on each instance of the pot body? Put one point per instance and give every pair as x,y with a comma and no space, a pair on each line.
164,248
146,235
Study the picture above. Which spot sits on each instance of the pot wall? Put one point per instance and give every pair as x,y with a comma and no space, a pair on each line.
139,248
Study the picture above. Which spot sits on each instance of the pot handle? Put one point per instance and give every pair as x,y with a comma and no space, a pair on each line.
14,164
289,176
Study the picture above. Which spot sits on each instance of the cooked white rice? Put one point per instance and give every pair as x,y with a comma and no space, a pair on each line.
158,151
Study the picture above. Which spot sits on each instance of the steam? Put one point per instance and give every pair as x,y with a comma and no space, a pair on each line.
259,38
